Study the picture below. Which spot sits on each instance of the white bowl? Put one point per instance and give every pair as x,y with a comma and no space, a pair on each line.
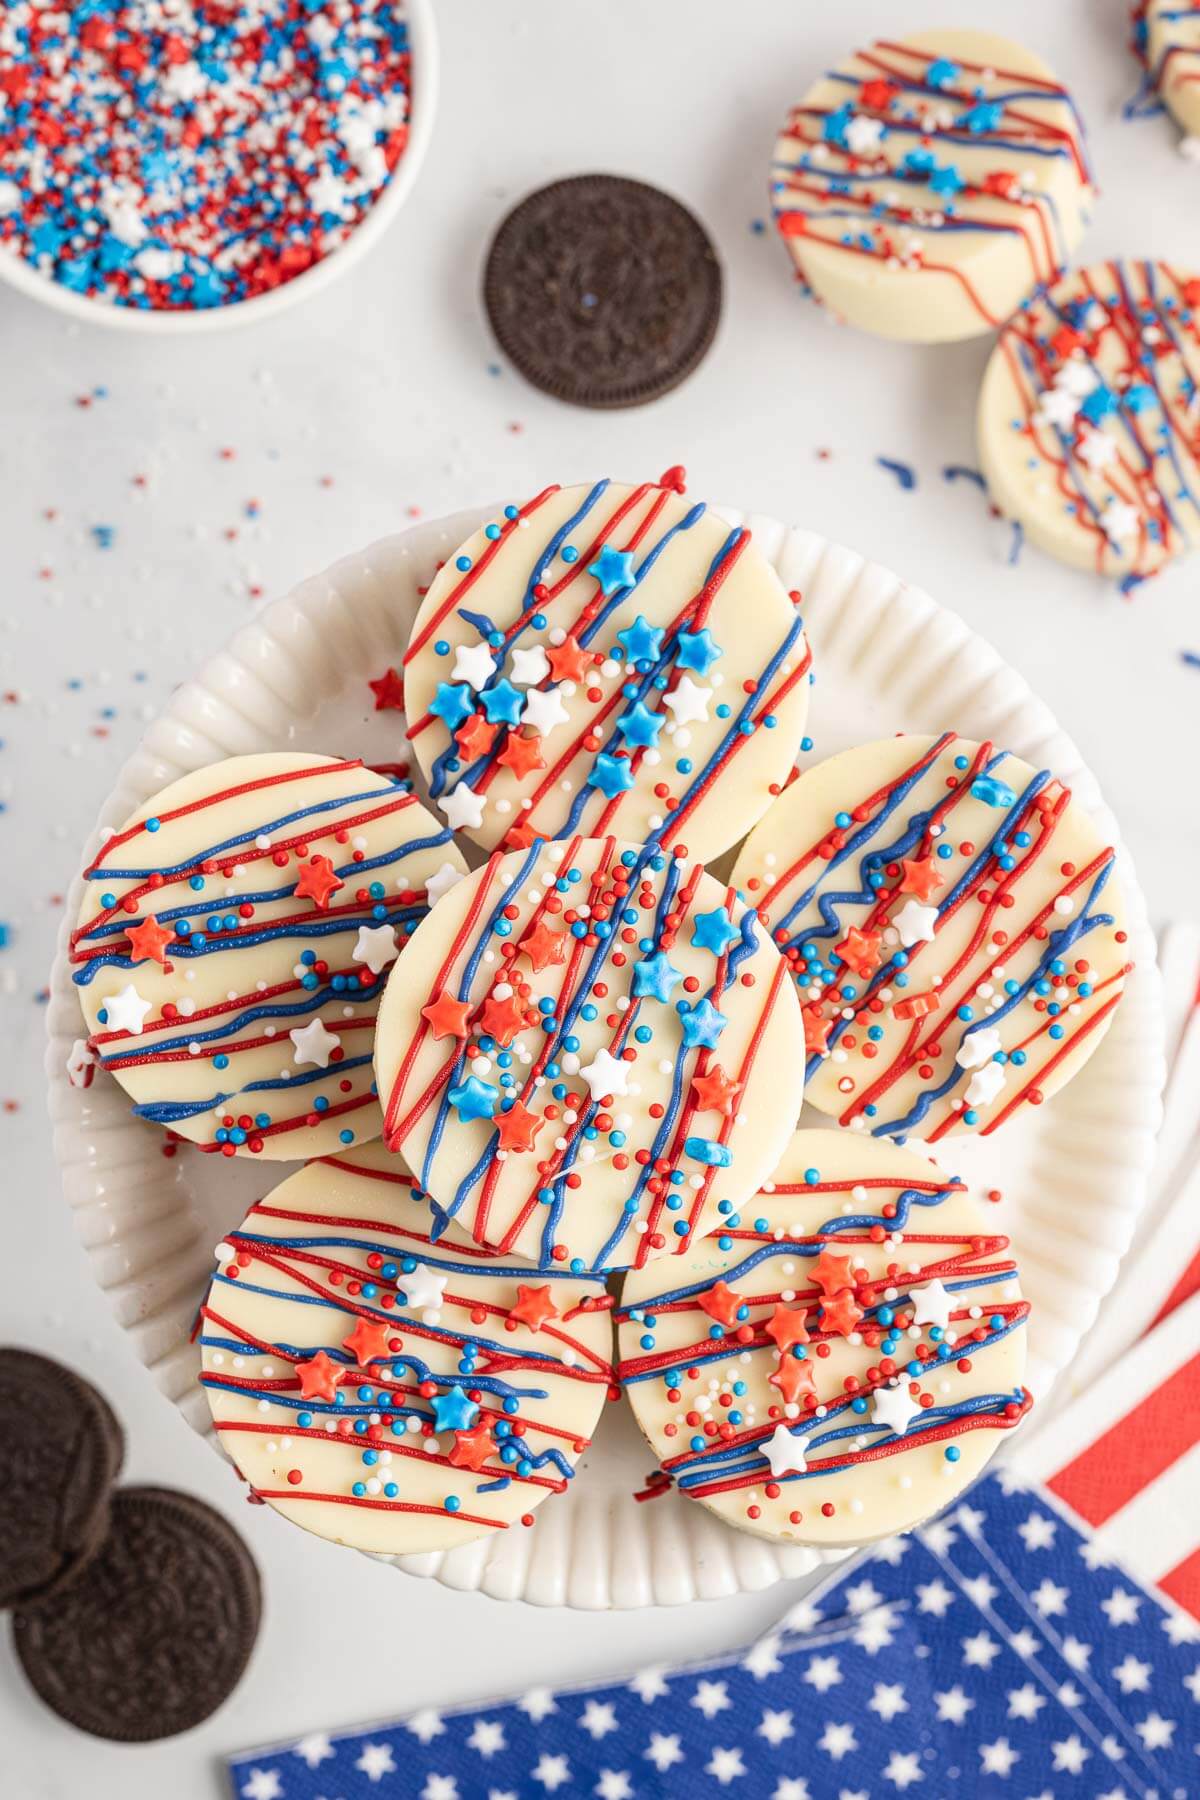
1073,1172
424,51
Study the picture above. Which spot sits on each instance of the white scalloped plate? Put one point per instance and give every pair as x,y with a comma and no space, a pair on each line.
888,659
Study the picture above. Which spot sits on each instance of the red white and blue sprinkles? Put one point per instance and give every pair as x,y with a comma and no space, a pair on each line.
176,157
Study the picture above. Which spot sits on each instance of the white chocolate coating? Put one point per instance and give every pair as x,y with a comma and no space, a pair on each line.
697,1360
1088,423
250,1030
569,1110
568,725
1173,58
925,187
305,1258
996,894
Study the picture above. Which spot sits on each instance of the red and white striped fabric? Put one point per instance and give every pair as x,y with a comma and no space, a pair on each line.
1125,1456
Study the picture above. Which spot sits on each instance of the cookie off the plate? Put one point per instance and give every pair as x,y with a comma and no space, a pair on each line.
838,1362
607,660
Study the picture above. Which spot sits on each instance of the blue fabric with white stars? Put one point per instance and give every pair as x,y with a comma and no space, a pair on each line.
993,1654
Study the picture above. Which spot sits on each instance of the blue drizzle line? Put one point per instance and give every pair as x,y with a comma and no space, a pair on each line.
722,1463
391,1253
1191,658
1018,540
498,1486
961,472
904,472
169,1112
108,873
184,950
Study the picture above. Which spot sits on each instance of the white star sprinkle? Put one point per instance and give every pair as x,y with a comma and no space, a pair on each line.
376,946
895,1408
606,1074
529,666
985,1084
474,664
463,807
442,881
932,1304
916,923
785,1452
126,1011
544,710
688,703
313,1044
423,1289
978,1047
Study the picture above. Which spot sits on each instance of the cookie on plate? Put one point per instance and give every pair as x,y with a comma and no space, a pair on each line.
927,185
607,660
954,927
233,941
385,1391
1173,58
1087,419
840,1361
588,1052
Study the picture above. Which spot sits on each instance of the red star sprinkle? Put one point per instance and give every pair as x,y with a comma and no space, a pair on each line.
522,755
721,1303
388,692
915,1006
472,1448
877,95
715,1092
787,1327
816,1030
475,736
534,1306
447,1016
921,878
367,1342
793,1378
543,946
518,1127
319,1377
148,940
317,882
502,1019
859,950
841,1313
568,662
831,1273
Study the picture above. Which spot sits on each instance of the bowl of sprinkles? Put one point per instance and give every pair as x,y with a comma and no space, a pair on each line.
174,165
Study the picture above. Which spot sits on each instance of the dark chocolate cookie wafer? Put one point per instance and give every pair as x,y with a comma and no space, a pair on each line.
157,1634
602,291
60,1450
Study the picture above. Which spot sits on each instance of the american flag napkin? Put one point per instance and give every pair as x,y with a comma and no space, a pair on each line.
1002,1651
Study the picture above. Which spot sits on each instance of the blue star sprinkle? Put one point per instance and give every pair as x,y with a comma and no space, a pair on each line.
713,931
474,1099
992,791
697,650
702,1025
639,726
503,703
642,640
452,1411
709,1152
452,704
655,978
611,774
613,569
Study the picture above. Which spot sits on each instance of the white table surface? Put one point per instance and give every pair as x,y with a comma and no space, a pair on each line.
376,399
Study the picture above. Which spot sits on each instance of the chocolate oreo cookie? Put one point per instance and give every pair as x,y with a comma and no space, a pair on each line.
60,1451
603,292
157,1634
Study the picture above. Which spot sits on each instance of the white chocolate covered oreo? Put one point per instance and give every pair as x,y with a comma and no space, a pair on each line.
235,937
608,661
839,1363
1173,59
1087,419
588,1053
385,1392
925,186
953,926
